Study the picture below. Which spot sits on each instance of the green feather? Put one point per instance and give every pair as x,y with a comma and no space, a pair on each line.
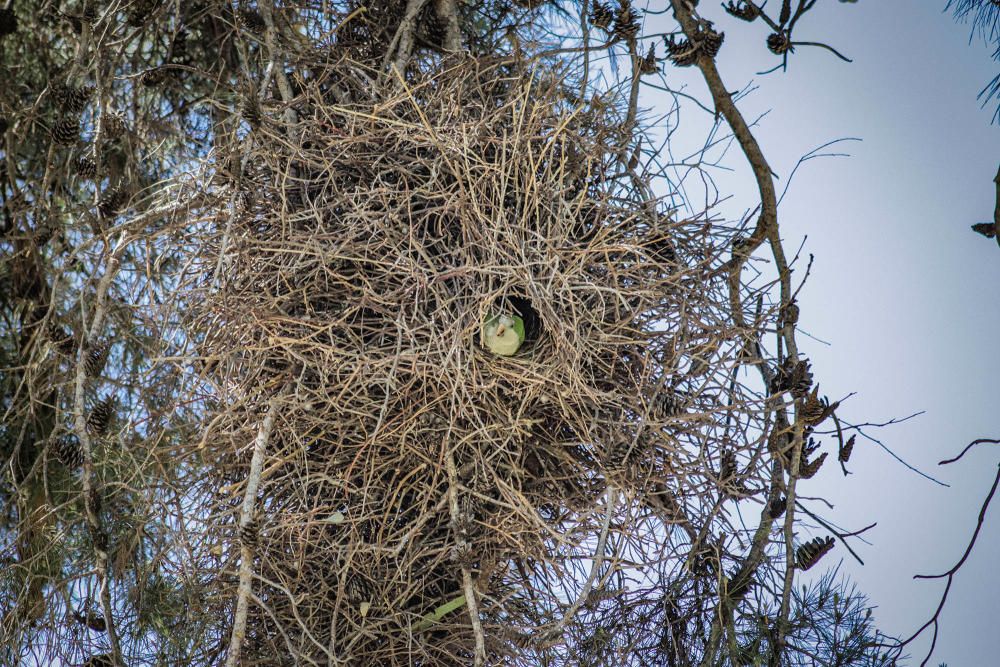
519,327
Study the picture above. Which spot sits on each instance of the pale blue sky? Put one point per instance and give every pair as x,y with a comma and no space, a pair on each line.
907,297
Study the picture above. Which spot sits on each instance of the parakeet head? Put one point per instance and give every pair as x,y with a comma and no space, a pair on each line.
502,334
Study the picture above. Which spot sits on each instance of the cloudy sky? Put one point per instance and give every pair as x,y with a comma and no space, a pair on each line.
904,300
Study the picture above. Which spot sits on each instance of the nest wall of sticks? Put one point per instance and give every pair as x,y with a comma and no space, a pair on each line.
401,487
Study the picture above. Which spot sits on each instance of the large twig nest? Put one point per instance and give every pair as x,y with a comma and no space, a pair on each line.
358,271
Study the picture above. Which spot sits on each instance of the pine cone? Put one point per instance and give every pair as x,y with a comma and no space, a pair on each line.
464,525
96,357
251,21
738,588
681,52
779,442
112,201
809,448
711,41
463,555
809,553
808,470
85,167
357,589
250,534
844,455
78,98
777,508
745,11
664,405
793,376
153,77
727,466
113,125
987,229
599,594
779,43
626,21
814,409
62,340
92,619
67,449
648,64
620,459
250,110
100,417
71,99
435,29
66,132
602,15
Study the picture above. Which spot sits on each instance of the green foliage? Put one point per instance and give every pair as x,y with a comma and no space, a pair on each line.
984,17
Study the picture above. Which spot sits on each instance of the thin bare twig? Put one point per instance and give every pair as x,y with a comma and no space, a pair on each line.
950,576
247,512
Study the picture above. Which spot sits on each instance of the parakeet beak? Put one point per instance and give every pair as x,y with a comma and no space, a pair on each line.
501,329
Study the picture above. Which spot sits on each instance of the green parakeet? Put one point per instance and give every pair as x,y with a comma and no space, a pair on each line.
502,334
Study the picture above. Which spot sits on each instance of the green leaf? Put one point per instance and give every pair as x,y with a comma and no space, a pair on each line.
430,619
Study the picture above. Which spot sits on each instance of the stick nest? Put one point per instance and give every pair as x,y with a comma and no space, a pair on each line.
408,466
